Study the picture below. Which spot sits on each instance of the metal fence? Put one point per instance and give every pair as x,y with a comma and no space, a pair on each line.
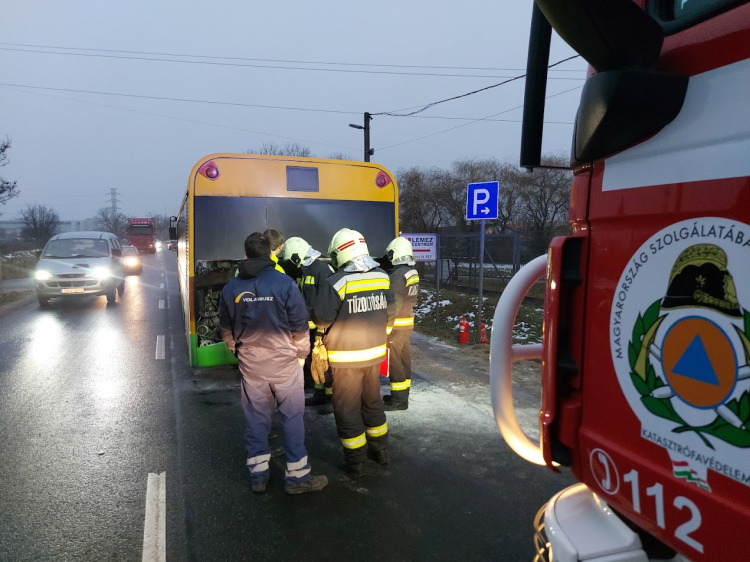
459,259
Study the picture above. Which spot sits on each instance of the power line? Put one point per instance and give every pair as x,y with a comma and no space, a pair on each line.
472,122
433,104
237,104
282,61
195,121
185,100
253,65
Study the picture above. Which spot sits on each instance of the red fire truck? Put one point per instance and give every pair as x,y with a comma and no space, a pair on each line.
141,234
646,349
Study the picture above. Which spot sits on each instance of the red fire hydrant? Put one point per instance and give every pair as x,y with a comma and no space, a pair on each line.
483,333
463,331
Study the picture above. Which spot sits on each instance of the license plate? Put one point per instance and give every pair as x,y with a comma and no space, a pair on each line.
72,290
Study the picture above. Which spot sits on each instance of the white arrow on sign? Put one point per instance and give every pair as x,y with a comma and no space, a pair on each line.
481,196
485,211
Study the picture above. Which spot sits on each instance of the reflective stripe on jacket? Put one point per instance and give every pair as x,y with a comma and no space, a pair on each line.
312,277
405,287
355,308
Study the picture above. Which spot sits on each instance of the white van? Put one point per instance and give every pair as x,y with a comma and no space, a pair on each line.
80,263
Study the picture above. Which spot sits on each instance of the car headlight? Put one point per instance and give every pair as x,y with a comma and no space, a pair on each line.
101,272
131,261
158,245
42,275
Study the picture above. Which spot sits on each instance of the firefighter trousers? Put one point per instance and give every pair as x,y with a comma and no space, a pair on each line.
400,360
358,411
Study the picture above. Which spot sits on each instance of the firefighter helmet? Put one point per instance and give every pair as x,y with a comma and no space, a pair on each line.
295,250
346,245
399,251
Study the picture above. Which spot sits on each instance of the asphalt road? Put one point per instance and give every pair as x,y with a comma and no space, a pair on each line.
88,410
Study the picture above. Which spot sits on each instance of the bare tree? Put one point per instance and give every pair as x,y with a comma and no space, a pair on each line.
422,201
510,204
289,149
546,198
7,188
110,221
161,225
40,223
338,156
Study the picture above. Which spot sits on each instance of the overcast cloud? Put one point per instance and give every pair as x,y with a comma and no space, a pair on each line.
70,148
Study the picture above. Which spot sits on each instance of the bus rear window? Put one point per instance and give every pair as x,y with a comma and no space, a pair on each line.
675,15
300,178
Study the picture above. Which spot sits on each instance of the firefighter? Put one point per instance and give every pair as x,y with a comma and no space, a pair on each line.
276,240
405,287
355,306
312,273
263,321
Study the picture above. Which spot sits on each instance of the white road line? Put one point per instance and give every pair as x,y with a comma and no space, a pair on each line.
161,303
161,286
160,347
155,524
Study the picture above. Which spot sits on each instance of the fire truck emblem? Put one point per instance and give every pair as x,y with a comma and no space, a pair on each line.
680,342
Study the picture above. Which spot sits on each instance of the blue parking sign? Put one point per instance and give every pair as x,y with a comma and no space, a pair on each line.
481,200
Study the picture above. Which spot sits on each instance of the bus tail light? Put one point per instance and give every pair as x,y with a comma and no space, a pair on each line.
209,170
382,179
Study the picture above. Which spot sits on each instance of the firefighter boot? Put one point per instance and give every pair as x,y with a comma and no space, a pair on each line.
398,400
380,457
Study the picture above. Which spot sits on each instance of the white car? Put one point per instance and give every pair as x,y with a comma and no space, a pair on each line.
80,263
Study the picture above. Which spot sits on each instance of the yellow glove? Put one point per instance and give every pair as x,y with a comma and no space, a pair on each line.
319,363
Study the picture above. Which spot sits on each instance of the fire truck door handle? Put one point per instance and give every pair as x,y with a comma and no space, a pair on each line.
503,354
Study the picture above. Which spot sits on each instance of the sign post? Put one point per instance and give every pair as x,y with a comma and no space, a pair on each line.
481,204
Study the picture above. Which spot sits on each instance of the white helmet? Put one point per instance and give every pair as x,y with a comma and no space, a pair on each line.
399,251
295,250
346,245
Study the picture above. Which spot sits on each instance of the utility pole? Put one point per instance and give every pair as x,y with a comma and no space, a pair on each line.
366,128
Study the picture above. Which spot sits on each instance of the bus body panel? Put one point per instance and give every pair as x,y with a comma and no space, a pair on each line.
306,197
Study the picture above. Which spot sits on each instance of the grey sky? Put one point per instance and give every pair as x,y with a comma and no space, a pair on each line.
69,148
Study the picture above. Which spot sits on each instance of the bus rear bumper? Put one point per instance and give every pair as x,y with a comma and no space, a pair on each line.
576,525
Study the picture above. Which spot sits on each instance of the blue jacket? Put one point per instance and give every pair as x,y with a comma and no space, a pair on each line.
263,320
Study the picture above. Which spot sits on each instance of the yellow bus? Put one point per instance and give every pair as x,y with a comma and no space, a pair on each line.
232,195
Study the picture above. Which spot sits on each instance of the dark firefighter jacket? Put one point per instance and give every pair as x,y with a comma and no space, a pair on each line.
263,319
405,287
312,277
356,309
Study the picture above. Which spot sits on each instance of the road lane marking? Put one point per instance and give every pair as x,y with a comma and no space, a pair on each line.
160,347
155,524
161,286
161,303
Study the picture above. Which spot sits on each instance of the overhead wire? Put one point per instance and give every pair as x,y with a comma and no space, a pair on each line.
472,122
395,113
26,46
274,135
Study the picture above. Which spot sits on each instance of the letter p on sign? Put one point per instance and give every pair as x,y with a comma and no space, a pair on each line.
481,196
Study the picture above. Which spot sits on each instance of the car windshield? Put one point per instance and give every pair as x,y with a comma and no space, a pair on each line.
129,251
76,248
